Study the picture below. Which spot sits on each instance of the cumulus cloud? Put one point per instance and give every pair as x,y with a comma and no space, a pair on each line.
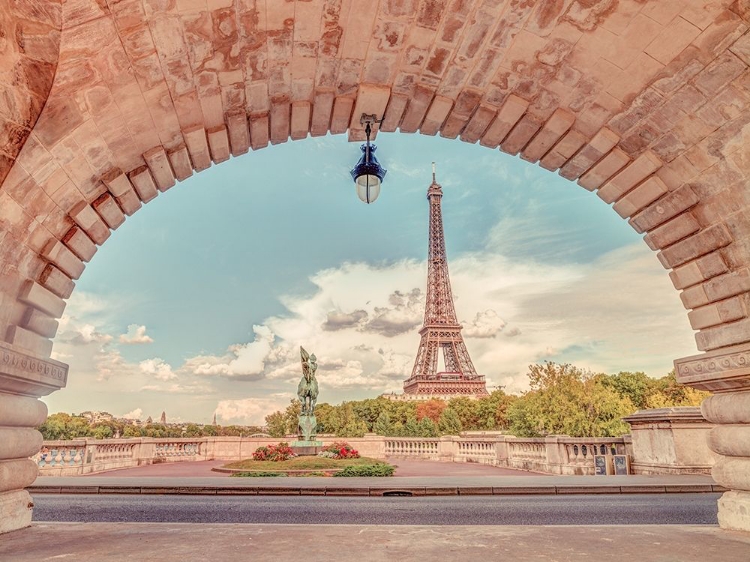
486,324
134,414
158,368
135,335
243,361
403,314
82,335
250,411
337,320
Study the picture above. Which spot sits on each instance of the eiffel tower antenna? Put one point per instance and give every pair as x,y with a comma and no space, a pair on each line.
441,330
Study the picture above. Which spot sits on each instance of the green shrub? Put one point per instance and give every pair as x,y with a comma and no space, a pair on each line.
367,470
258,474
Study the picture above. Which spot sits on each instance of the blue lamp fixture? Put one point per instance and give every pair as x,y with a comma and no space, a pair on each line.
368,174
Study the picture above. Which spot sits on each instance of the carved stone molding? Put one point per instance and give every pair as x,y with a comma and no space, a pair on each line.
725,369
23,373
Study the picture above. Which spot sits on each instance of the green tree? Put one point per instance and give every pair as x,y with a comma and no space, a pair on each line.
427,428
102,431
354,428
192,430
450,423
467,411
276,424
411,428
383,425
131,431
636,386
567,401
668,393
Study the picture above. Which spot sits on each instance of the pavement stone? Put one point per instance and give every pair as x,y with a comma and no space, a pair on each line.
116,542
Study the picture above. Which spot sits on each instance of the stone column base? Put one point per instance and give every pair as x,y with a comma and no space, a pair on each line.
15,510
734,511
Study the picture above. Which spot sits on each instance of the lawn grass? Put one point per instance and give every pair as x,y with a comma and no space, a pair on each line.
302,463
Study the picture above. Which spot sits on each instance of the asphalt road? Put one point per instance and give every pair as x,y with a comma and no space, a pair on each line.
636,509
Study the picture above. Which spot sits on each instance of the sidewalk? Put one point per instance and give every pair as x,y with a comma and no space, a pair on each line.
404,485
115,542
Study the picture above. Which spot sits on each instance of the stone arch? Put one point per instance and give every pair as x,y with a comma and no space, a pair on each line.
645,103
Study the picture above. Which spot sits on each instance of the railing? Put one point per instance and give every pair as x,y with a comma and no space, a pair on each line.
552,455
411,447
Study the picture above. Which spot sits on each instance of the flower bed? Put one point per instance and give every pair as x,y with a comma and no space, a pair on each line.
274,453
339,450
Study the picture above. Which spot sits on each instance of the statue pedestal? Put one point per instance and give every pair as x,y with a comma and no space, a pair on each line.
307,446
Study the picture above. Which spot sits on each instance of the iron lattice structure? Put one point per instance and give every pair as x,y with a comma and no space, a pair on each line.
441,330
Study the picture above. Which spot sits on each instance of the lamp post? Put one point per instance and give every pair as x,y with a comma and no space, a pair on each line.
368,174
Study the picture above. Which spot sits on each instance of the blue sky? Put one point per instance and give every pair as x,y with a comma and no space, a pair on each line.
198,303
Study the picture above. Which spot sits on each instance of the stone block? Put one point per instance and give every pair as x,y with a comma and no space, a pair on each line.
30,341
59,254
280,121
670,232
158,162
372,99
181,165
197,146
604,169
15,510
727,285
144,184
259,132
21,411
521,134
563,150
239,134
604,141
509,114
664,209
57,282
42,299
633,174
436,115
674,37
300,123
416,109
218,142
734,511
555,127
129,203
704,242
640,197
87,218
693,297
321,113
40,323
394,112
109,210
478,124
725,68
341,115
723,336
81,245
117,183
717,313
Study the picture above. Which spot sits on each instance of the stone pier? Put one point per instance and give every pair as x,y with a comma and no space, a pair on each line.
23,378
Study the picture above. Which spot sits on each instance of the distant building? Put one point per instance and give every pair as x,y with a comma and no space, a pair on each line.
163,419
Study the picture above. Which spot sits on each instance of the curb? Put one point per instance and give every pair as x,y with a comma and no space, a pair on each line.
378,491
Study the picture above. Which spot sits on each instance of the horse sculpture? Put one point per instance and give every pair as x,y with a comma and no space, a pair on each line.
307,390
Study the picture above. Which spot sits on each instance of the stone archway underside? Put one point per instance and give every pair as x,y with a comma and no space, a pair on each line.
106,103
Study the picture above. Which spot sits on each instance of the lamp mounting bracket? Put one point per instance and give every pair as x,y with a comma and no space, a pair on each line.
367,118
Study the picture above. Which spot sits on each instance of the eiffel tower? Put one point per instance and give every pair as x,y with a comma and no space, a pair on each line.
441,330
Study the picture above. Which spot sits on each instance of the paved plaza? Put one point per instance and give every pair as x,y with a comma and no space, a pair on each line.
115,542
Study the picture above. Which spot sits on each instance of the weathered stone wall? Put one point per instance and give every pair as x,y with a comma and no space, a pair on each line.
645,103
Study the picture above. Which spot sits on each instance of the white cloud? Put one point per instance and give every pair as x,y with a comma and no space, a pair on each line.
134,415
243,361
250,411
486,324
135,335
158,368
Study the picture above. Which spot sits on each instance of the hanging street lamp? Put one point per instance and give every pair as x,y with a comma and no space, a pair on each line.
368,174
